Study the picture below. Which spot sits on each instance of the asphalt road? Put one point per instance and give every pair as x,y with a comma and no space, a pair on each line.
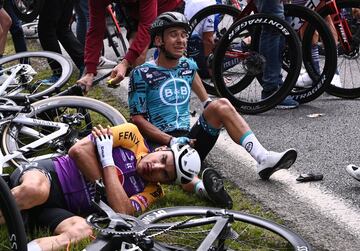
324,212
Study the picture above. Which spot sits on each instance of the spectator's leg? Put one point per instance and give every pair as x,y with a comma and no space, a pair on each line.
16,30
82,20
67,38
5,22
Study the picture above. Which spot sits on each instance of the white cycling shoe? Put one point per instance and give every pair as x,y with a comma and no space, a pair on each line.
275,161
304,80
354,171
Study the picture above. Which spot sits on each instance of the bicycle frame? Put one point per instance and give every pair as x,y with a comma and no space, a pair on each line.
23,120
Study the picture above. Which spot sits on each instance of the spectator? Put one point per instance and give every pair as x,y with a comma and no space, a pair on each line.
54,20
140,16
271,47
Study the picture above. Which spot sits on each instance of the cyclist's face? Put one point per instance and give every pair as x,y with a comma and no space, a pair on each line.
175,41
157,167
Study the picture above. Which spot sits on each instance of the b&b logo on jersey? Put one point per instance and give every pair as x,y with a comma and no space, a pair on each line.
175,91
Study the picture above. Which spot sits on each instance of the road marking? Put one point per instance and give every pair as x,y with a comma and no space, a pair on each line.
327,204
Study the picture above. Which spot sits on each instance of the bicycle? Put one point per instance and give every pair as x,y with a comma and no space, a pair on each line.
39,129
22,74
244,91
188,228
14,224
347,30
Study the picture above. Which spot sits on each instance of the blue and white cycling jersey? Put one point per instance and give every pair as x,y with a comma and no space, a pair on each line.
163,95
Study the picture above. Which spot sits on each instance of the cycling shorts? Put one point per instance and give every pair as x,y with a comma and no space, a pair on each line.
53,211
205,135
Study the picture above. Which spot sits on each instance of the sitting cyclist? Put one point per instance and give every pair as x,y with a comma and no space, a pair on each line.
159,101
59,191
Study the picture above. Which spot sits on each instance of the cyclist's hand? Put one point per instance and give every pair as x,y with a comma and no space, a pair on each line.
119,72
104,145
86,81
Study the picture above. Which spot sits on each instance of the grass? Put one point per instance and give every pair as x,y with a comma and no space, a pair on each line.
174,195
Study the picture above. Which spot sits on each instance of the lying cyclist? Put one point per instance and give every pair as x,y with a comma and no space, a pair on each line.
159,101
59,191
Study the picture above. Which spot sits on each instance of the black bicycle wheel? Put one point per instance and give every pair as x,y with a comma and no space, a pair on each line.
223,17
16,239
238,63
247,232
34,68
348,63
31,30
27,10
80,113
322,77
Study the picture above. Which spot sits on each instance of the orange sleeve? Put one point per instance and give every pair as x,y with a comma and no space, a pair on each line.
128,136
143,200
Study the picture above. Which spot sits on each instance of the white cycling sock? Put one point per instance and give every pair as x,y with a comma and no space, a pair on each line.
253,146
33,246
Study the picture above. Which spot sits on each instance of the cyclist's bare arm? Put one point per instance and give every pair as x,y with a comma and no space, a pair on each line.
199,89
149,131
84,155
116,195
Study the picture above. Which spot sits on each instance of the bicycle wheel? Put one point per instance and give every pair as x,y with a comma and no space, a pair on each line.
27,10
115,38
247,232
322,76
224,15
31,30
16,239
80,113
34,67
348,65
238,64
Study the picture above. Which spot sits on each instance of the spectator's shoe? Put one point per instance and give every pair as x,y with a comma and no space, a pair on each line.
354,171
275,161
105,63
50,81
214,187
287,103
304,80
336,81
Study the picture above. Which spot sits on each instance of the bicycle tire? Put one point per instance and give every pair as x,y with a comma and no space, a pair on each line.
351,88
41,62
248,225
13,219
197,19
94,112
115,38
251,101
28,10
322,80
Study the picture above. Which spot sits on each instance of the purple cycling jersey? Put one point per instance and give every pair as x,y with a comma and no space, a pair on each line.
78,191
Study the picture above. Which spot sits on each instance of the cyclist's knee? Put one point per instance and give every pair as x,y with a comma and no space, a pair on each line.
221,106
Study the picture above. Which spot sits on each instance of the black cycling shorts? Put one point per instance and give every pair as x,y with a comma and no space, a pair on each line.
1,4
205,139
54,210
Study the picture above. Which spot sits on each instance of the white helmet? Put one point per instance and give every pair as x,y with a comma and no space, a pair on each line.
187,163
